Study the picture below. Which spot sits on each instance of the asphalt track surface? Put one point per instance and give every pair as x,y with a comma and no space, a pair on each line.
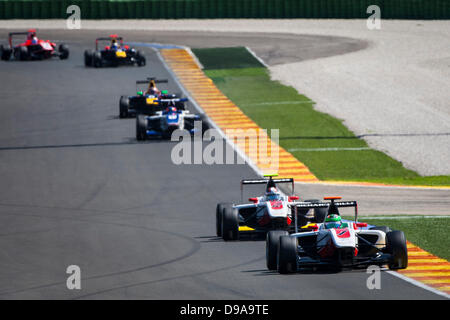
77,189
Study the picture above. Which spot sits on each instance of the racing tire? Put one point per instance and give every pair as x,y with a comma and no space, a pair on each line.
123,107
21,53
205,124
97,59
396,246
272,240
63,50
141,61
88,58
180,105
230,224
141,127
287,255
5,52
319,213
219,212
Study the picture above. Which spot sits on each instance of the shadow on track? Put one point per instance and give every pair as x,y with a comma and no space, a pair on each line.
84,145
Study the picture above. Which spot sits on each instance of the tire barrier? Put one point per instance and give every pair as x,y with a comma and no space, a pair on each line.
219,9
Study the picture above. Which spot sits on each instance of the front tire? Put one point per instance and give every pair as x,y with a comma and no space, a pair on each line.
21,53
287,255
230,224
141,61
272,242
123,107
396,246
141,127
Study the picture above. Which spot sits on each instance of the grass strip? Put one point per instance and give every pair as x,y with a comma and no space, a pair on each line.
343,156
430,234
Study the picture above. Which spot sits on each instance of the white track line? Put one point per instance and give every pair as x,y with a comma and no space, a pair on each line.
276,102
419,284
402,217
256,57
328,149
380,186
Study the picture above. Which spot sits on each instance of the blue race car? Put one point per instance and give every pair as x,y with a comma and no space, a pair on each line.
164,123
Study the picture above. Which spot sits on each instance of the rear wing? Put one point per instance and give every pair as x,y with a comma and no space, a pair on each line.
330,205
11,34
150,79
171,100
269,182
107,39
147,82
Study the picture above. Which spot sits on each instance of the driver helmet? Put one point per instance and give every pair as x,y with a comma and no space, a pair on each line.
140,93
31,34
273,194
333,221
171,109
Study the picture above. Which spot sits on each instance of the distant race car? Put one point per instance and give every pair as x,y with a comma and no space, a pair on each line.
148,101
271,211
32,49
335,243
113,55
164,123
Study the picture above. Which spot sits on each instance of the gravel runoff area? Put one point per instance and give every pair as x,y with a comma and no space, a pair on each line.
393,91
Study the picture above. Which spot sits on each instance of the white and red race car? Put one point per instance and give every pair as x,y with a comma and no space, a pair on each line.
272,211
335,243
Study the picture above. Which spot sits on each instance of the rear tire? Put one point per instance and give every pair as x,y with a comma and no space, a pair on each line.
230,224
396,246
287,255
5,52
97,59
88,58
205,124
123,107
141,127
219,212
272,242
63,51
319,213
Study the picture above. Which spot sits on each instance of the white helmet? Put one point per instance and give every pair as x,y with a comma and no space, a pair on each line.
273,194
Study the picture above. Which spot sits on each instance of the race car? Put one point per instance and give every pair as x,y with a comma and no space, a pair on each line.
148,101
163,123
271,211
113,55
336,243
32,49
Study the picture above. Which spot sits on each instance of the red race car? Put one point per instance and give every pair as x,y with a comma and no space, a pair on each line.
32,49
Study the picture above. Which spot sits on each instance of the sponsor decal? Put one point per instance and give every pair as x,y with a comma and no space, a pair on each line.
276,204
